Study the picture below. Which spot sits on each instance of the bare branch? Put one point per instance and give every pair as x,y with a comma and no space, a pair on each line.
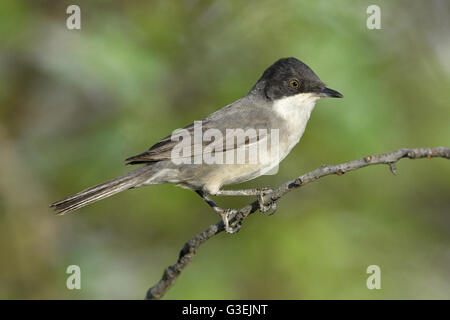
187,253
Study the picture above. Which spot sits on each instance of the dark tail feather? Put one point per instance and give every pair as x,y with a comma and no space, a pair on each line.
103,190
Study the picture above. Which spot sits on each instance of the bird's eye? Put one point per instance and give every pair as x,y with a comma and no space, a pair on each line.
294,83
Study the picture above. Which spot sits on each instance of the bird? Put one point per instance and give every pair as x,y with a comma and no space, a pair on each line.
271,119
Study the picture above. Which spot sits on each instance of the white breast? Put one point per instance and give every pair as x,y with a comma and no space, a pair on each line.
295,110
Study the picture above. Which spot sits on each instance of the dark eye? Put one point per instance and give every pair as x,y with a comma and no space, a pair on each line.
294,83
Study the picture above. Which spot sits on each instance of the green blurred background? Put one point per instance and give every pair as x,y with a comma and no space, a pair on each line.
76,103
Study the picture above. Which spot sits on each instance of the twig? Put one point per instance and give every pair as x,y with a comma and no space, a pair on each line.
187,253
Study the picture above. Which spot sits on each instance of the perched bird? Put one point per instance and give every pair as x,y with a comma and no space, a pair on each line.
272,116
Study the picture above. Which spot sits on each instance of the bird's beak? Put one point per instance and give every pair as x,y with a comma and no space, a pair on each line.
327,92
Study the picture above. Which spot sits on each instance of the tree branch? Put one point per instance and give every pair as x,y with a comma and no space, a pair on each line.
187,253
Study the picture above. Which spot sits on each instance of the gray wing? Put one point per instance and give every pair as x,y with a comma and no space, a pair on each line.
243,114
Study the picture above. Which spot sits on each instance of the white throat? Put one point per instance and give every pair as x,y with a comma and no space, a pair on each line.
298,106
295,110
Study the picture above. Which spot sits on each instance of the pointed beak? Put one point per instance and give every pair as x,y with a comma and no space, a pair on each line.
327,92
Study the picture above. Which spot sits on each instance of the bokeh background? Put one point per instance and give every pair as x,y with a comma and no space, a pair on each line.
75,103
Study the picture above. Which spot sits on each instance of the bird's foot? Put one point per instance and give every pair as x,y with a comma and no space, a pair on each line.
263,208
224,214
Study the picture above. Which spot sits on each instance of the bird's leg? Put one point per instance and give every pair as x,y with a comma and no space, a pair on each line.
245,192
260,193
271,208
223,213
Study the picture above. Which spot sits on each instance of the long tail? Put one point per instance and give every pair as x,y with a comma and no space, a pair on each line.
104,190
